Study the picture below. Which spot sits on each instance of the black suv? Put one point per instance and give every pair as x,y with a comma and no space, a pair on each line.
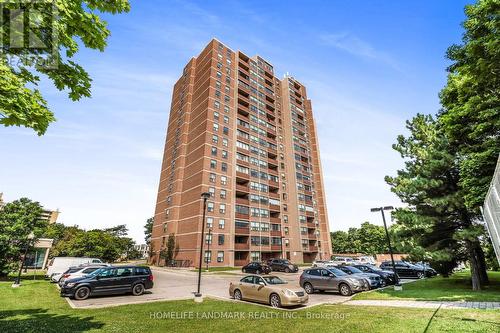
108,281
282,265
388,276
404,269
256,268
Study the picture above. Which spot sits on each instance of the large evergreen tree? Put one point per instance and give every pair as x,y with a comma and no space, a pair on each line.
471,100
437,218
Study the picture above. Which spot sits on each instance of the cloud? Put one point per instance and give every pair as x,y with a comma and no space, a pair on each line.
356,46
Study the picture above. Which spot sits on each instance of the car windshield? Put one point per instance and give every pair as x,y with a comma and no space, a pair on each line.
273,280
337,271
286,262
375,268
354,270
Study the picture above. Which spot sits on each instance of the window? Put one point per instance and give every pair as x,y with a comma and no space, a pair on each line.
208,256
224,154
212,177
226,120
211,190
208,239
210,222
223,166
210,206
216,115
222,223
213,164
225,130
241,209
224,142
222,208
223,194
220,256
223,180
221,239
215,139
214,151
216,127
217,104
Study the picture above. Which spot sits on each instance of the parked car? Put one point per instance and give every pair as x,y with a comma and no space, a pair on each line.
74,272
282,265
388,277
332,279
256,268
404,269
322,263
374,280
368,260
343,260
269,290
59,265
108,281
429,271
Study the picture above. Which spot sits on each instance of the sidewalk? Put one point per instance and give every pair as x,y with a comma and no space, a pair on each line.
426,304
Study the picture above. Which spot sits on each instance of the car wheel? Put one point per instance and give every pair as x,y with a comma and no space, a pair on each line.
345,290
308,288
275,301
257,272
82,293
420,275
287,270
138,289
237,295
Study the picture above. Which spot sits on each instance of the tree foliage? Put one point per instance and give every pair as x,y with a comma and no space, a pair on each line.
76,24
436,219
108,244
18,219
471,100
148,229
368,239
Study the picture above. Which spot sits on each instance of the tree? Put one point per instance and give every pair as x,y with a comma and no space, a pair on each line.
368,239
340,242
436,218
148,229
471,100
76,23
17,220
170,247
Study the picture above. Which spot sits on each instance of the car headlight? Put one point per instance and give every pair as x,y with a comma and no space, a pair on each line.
71,284
355,282
288,292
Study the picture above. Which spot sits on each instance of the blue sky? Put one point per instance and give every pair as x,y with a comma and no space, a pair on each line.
368,66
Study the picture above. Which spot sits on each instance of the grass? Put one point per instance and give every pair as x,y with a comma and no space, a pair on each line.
37,307
455,288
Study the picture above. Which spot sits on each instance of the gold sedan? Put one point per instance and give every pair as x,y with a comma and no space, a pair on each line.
268,289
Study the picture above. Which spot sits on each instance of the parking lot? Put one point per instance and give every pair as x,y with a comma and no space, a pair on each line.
180,284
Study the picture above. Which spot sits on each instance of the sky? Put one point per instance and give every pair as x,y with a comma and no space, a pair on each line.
368,67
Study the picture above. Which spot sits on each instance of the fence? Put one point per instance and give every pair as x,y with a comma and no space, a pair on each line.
491,210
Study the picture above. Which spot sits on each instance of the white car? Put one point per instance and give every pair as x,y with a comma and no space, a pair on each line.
59,265
79,271
322,263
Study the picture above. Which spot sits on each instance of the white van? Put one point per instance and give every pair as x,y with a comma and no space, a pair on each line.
59,265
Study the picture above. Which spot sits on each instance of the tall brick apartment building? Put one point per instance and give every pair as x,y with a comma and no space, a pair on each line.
249,138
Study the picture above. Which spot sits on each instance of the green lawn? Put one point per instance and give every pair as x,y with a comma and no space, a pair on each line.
455,288
216,269
37,307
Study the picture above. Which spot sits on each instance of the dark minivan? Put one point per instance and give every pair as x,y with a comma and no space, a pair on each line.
109,281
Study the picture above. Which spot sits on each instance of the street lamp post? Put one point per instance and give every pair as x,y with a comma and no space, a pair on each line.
208,245
381,209
17,282
197,295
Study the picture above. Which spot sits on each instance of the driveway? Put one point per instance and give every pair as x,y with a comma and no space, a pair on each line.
180,284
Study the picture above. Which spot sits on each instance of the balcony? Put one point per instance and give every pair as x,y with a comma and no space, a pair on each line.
241,216
242,188
242,231
242,175
276,233
241,246
242,201
275,208
276,248
274,220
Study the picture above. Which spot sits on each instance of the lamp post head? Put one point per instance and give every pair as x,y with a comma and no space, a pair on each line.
388,208
375,209
205,195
